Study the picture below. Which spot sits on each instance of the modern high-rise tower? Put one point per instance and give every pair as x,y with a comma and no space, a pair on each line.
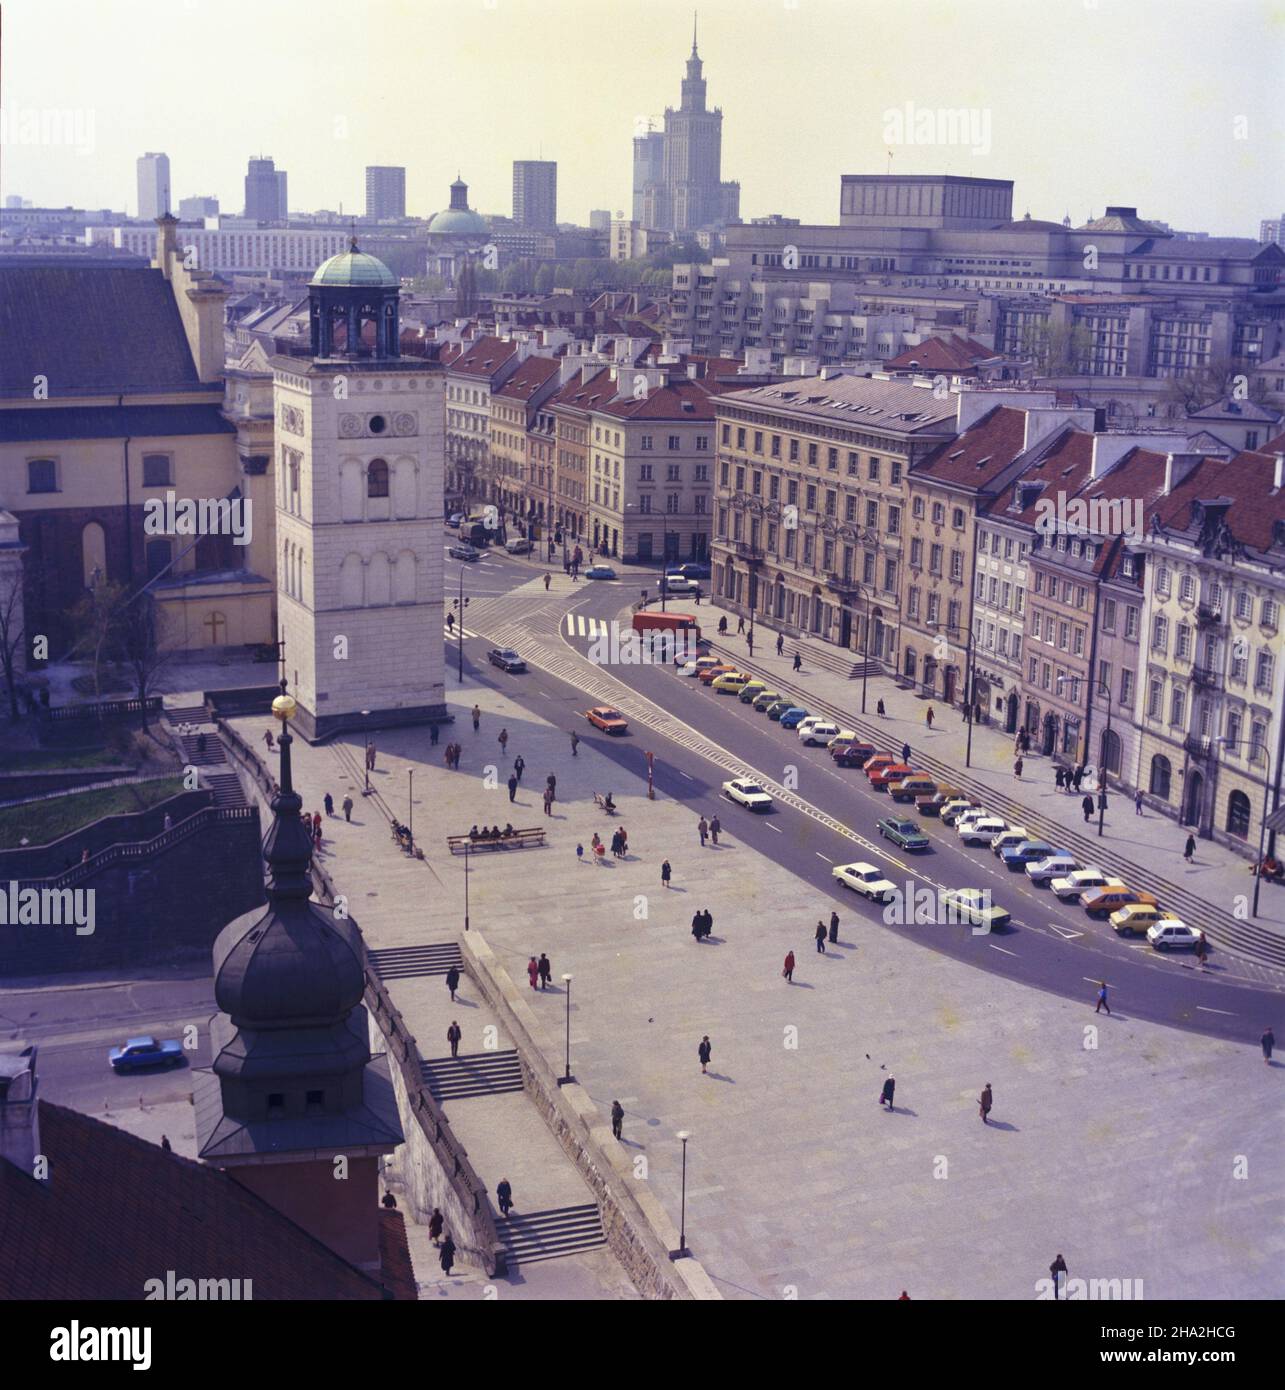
265,191
385,191
153,186
360,433
535,194
677,179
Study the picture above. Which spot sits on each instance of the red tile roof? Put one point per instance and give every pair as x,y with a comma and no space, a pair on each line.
118,1211
484,357
529,378
586,395
985,449
667,402
953,354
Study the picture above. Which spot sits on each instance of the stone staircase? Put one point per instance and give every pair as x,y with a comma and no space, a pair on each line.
187,714
411,962
476,1074
823,657
545,1235
217,772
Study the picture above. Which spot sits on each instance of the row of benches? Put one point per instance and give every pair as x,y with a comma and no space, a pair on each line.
520,839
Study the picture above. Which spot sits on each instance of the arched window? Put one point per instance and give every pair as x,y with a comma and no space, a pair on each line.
1160,774
1238,815
377,479
1110,756
93,547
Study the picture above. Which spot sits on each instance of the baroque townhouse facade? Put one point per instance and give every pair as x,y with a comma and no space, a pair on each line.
811,504
471,375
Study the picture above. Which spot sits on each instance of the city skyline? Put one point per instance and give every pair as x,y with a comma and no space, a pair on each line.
763,64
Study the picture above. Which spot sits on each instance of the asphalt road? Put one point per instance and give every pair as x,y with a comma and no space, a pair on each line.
1048,945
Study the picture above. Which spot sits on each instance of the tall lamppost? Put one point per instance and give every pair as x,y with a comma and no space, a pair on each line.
410,805
566,1079
682,1252
460,604
865,643
365,717
968,682
467,848
1271,790
1102,689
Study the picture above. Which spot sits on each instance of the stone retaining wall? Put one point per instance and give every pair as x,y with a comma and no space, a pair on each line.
638,1229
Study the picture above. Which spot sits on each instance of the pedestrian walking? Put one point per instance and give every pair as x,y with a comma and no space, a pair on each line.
477,718
1102,998
546,970
503,740
715,825
519,766
513,786
166,1146
984,1102
435,1224
707,922
1190,848
698,926
705,1052
889,1090
433,734
1017,769
1086,805
617,1120
905,752
347,803
1057,777
879,710
740,626
533,972
552,783
548,802
702,829
928,716
316,821
834,928
780,643
1057,1267
798,661
370,754
453,980
329,802
1079,776
1137,802
548,579
820,937
749,640
1268,1043
624,842
665,872
788,971
1202,949
267,738
447,1258
453,1036
575,743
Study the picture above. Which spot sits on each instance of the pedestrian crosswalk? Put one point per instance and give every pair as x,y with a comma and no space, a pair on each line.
578,625
455,632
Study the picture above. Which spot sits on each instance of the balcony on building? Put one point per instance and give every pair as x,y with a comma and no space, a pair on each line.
1208,616
1205,676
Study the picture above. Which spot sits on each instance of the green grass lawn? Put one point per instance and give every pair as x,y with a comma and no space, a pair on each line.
41,822
51,760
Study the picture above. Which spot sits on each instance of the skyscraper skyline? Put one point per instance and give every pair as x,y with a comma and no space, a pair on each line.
535,193
153,184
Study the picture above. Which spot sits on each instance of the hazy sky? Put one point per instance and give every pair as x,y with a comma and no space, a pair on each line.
1169,105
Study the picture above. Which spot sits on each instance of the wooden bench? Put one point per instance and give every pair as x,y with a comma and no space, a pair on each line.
600,801
520,839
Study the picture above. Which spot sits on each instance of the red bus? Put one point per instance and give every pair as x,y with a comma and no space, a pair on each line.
645,621
668,636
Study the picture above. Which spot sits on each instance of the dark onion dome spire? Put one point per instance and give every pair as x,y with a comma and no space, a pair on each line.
294,963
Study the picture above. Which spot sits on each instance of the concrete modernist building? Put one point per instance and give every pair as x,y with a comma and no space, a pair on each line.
359,511
535,194
153,186
811,503
924,200
688,192
385,192
196,208
264,191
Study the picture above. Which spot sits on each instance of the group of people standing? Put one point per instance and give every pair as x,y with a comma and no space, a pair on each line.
702,924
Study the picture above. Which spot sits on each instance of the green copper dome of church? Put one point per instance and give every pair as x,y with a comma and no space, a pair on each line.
354,267
459,219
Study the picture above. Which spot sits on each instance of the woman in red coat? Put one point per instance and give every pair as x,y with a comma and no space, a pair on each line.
533,972
788,972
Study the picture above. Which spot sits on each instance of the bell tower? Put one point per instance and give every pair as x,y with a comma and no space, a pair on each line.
359,432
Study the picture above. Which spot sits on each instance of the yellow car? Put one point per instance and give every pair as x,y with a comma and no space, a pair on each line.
730,683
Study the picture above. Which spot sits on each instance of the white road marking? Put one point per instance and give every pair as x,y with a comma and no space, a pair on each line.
770,826
1226,1012
1066,933
819,855
993,947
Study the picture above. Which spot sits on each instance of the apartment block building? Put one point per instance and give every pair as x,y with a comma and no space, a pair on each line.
1211,710
811,503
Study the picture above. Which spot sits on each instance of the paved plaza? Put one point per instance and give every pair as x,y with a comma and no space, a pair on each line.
1137,1151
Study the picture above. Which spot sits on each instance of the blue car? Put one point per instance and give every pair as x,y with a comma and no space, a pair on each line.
1018,856
146,1052
793,717
600,572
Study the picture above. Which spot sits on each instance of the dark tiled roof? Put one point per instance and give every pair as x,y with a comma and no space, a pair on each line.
118,1211
90,329
484,357
529,378
110,422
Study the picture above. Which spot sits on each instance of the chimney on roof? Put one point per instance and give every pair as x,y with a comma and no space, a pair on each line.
19,1106
1278,478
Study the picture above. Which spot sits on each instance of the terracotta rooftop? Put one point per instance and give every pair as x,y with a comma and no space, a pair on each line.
952,354
975,457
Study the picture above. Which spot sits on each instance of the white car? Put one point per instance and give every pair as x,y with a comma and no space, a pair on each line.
679,584
519,545
1170,934
1014,835
980,830
973,905
1070,887
747,792
865,878
812,732
975,813
1055,866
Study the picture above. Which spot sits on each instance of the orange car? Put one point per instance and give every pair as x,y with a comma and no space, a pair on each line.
711,672
888,773
876,761
609,720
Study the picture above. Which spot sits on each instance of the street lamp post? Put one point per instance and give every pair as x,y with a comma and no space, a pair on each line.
1102,689
566,1079
1271,790
460,604
682,1252
968,684
466,859
410,805
365,717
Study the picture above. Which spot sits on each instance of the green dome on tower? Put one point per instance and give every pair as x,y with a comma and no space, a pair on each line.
354,267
